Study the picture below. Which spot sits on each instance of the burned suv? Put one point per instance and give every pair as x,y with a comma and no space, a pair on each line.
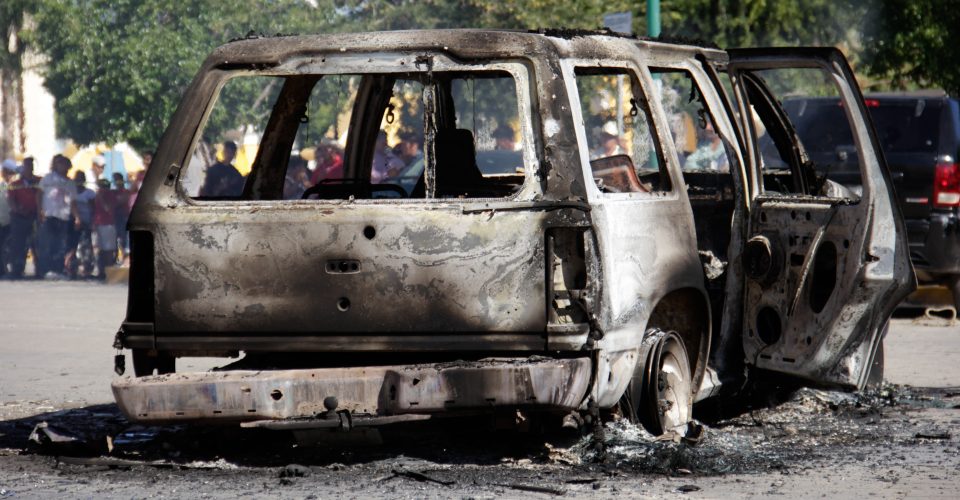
431,223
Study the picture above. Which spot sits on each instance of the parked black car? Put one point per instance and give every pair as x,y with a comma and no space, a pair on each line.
920,136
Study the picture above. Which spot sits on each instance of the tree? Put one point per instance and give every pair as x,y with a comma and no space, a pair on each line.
12,16
756,23
914,43
728,23
117,68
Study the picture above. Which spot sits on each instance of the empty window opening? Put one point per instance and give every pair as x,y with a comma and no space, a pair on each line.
624,154
803,133
438,134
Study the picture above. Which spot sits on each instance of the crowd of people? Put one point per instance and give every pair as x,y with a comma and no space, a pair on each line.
71,230
401,164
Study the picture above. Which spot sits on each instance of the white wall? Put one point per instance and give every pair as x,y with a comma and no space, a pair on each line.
39,127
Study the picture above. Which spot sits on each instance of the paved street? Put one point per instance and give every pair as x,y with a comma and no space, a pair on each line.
57,337
56,340
56,354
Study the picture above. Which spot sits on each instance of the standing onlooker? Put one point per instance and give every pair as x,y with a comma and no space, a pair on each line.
104,206
24,198
121,213
59,210
409,149
505,138
147,160
385,163
97,166
223,179
297,180
136,179
9,169
80,241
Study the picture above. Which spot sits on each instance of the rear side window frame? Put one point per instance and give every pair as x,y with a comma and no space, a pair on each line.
662,143
333,64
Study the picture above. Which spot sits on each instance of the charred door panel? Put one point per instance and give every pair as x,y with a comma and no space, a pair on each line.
827,263
812,285
396,268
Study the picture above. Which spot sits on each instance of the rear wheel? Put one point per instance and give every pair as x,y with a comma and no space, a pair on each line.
660,394
147,362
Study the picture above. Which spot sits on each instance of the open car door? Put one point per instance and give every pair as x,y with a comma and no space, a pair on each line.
826,259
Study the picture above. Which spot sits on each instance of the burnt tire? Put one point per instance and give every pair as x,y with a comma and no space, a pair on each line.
147,362
660,393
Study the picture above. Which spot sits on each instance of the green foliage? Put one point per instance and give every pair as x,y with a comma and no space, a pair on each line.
728,23
535,14
382,15
914,42
750,23
12,47
11,23
117,68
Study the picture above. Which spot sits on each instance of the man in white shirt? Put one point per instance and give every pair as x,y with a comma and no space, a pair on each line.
9,169
58,210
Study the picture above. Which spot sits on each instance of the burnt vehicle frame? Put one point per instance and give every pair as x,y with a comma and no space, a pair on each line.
563,295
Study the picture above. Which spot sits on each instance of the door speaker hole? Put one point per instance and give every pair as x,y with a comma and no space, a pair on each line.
768,325
824,276
369,232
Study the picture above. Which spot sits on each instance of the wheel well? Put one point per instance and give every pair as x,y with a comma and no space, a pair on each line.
687,312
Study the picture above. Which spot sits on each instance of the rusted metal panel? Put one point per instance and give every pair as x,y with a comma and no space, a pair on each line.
557,384
425,270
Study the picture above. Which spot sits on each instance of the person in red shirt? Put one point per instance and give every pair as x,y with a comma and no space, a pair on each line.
24,198
329,164
104,208
121,212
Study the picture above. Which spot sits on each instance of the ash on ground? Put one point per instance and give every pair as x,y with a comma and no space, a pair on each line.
804,430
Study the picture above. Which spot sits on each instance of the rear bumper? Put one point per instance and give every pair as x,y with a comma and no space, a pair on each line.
243,396
139,335
935,243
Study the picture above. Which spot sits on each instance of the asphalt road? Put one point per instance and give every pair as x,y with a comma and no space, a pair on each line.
56,344
55,354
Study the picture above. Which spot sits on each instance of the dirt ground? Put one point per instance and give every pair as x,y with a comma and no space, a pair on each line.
56,364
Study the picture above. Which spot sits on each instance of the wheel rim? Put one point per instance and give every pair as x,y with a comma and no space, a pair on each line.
673,384
668,398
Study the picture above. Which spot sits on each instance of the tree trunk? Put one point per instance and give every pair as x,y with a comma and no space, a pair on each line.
21,115
8,112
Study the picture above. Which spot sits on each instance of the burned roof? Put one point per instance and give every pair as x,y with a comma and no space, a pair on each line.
461,43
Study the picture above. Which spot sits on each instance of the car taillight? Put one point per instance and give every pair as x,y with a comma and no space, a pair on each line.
946,185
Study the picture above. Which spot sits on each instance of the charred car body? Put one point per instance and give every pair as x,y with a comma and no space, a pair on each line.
629,245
